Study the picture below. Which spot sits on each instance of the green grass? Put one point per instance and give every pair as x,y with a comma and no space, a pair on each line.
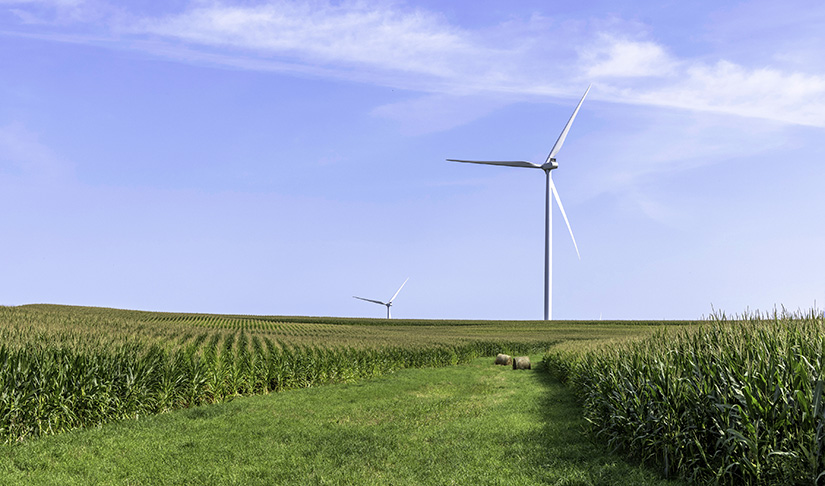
468,424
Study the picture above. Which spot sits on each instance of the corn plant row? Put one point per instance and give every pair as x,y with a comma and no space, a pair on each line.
734,402
47,389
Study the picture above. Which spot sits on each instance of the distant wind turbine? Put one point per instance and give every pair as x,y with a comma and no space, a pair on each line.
547,166
389,302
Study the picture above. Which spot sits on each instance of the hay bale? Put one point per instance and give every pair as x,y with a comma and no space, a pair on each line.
521,363
503,359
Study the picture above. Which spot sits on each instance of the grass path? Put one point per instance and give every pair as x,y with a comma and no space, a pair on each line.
472,424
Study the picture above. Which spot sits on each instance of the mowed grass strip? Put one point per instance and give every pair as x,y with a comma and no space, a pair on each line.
467,424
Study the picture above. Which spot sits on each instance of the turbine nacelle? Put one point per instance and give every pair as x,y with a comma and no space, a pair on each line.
550,164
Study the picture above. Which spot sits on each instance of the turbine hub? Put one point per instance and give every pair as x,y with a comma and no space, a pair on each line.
550,164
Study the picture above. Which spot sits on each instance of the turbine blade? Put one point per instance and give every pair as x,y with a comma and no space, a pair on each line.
510,163
563,135
558,200
399,290
370,300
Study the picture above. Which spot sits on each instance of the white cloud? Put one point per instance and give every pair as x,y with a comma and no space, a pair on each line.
393,44
625,58
54,12
418,50
352,33
795,98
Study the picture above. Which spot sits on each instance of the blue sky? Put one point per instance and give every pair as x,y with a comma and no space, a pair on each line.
281,157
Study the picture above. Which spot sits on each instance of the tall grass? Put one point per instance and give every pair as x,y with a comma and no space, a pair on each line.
737,401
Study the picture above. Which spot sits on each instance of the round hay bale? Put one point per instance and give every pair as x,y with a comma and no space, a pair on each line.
503,359
521,363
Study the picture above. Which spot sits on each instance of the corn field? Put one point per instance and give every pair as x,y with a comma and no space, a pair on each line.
736,401
67,367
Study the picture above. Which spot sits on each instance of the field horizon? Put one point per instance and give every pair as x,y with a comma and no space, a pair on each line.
351,319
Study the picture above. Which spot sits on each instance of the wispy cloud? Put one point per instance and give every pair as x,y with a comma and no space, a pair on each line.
354,34
394,44
728,88
620,58
56,12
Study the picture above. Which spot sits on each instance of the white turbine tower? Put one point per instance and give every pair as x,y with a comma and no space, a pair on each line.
389,302
547,166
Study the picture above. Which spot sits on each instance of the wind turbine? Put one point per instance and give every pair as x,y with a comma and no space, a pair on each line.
389,302
547,166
